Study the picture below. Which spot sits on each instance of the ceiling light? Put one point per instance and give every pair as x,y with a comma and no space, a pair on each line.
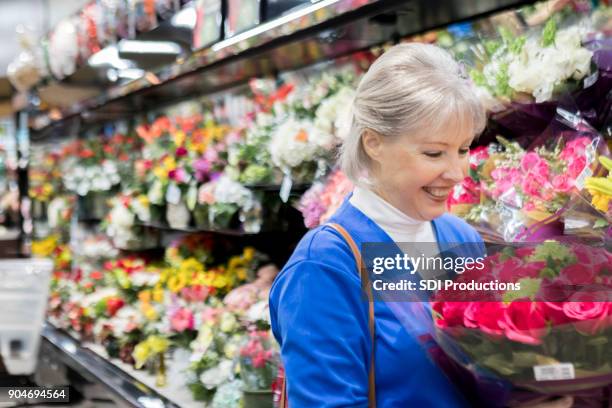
109,56
149,47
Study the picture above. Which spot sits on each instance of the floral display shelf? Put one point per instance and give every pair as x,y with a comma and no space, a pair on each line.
132,387
228,232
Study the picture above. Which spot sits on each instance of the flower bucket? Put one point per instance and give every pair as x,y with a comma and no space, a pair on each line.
178,215
257,399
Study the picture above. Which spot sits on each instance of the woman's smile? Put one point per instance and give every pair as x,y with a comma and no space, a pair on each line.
438,194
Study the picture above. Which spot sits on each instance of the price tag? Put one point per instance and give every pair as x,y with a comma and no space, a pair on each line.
285,189
173,194
587,172
554,372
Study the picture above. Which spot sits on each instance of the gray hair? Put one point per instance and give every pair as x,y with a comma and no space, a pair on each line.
409,88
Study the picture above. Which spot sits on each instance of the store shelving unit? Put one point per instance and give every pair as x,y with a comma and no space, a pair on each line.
325,30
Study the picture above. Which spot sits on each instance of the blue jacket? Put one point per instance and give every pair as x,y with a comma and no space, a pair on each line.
320,320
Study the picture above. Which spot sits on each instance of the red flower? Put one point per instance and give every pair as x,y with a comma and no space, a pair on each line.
181,152
86,153
589,314
524,321
113,305
449,313
487,316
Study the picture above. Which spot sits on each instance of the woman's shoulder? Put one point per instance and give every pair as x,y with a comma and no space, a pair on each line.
321,250
458,228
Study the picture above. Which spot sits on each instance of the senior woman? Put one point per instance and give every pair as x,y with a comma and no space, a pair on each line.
415,115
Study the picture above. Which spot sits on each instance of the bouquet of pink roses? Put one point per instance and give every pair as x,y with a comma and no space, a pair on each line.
543,329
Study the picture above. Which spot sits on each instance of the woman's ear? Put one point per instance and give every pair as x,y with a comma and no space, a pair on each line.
372,144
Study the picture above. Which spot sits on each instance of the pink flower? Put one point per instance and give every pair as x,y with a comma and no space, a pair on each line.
179,175
576,167
529,161
590,316
182,320
449,313
211,315
524,322
562,183
181,152
487,316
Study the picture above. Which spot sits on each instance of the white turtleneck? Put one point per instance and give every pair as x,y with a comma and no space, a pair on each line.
399,226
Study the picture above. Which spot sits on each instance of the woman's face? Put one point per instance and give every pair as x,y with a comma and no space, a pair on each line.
416,173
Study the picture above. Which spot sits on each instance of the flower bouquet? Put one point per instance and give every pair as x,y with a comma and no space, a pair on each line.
524,77
468,194
214,351
222,200
525,192
548,336
121,223
259,361
320,202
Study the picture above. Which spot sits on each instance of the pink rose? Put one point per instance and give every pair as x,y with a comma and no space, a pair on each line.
182,320
180,152
486,316
529,161
524,322
590,316
576,166
562,183
449,314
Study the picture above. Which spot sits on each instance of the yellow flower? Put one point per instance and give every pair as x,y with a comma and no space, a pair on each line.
143,200
142,352
148,311
221,281
45,247
179,138
158,294
174,284
600,201
158,344
248,254
191,266
241,273
160,173
169,163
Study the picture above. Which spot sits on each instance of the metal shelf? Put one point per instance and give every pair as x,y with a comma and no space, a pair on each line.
325,30
95,368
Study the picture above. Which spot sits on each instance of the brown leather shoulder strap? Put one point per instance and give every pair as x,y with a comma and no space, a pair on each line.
365,283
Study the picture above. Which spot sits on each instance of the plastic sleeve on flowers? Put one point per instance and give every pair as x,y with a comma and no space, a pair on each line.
320,320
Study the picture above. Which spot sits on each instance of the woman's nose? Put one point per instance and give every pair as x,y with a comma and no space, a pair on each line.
456,170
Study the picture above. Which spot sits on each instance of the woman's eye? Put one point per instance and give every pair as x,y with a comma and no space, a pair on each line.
433,154
463,152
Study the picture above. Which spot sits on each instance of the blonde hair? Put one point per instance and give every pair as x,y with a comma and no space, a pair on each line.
409,88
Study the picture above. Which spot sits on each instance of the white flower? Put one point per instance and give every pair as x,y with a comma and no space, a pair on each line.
229,191
334,113
214,377
294,142
259,311
144,278
539,69
55,209
99,295
121,216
